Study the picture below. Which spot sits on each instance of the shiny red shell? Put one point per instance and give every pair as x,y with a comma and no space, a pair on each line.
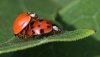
40,27
21,22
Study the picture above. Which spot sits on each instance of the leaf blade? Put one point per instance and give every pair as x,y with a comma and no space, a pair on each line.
67,36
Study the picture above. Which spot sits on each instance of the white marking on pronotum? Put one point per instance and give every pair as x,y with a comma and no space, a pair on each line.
55,28
33,15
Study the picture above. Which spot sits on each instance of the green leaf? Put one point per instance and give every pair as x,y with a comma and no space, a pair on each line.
15,44
83,14
47,9
62,3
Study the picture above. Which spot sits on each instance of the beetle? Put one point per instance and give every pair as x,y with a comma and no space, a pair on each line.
22,22
41,27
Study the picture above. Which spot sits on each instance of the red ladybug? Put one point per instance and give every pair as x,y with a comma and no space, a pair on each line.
40,27
21,24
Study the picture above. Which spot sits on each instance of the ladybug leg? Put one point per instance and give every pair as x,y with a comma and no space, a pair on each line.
20,35
37,36
25,37
46,35
23,34
56,29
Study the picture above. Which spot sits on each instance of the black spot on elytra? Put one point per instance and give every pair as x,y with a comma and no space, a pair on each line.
38,25
33,32
40,20
48,26
41,31
48,22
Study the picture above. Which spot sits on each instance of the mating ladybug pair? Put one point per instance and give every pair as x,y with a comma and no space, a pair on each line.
29,25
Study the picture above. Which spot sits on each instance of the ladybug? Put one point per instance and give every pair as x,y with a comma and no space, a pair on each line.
22,22
41,27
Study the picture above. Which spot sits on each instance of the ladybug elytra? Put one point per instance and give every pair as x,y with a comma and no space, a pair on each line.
40,27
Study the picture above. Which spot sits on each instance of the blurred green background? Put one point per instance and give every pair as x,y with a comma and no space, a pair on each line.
68,14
